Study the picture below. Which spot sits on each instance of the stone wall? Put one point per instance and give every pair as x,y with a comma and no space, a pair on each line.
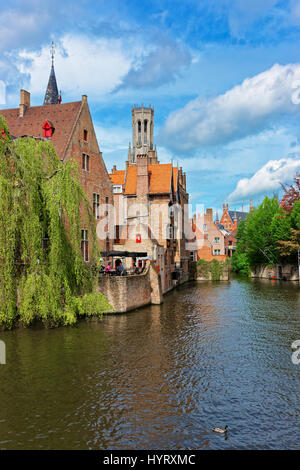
288,272
127,293
201,276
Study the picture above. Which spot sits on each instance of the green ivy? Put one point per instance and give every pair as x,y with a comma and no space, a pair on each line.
214,267
42,209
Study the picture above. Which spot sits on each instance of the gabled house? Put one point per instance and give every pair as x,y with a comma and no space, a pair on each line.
209,238
69,127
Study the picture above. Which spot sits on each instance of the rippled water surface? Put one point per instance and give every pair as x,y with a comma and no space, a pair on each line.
162,376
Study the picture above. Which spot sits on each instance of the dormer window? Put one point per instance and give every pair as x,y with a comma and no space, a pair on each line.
48,129
85,135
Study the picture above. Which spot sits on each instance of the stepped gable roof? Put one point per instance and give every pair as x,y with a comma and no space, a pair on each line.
62,116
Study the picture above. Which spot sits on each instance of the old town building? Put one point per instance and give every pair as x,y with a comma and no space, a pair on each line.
69,127
150,201
208,238
231,219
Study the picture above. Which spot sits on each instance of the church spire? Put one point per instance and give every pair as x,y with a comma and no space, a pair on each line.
51,95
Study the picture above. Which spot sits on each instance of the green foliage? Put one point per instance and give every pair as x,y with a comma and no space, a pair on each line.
261,235
240,263
214,267
43,275
295,216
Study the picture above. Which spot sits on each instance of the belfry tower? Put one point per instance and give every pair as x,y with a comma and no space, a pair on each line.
51,95
142,133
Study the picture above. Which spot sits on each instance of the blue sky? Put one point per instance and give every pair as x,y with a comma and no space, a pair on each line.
222,75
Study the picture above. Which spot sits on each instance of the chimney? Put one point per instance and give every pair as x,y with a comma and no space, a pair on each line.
84,99
251,205
209,214
114,169
142,184
223,207
24,102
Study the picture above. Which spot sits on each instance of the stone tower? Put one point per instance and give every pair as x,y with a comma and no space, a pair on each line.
142,132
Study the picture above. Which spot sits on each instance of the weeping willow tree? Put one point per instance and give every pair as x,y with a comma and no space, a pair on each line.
42,273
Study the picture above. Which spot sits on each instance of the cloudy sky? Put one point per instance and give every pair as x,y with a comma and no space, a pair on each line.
222,75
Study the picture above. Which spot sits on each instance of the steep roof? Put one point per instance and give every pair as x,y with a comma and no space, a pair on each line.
160,178
51,95
62,117
117,177
238,214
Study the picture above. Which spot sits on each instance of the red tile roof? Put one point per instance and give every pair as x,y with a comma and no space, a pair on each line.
159,179
117,177
62,116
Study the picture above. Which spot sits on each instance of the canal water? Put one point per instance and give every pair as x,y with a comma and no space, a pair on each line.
161,377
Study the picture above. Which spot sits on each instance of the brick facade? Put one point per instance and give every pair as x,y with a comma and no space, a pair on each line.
72,136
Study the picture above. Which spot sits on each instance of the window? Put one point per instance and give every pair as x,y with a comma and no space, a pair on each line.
85,135
145,125
139,126
170,232
117,237
96,204
106,206
193,255
217,252
217,240
84,245
107,242
204,228
85,162
48,129
117,188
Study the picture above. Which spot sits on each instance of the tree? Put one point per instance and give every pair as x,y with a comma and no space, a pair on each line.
290,246
43,275
260,236
291,194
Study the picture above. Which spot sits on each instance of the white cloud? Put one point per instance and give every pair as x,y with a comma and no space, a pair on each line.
242,111
112,139
159,66
267,179
83,64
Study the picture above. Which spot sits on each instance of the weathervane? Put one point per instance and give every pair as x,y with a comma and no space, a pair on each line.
53,46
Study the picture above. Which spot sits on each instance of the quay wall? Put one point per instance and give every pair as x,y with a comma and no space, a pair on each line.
127,293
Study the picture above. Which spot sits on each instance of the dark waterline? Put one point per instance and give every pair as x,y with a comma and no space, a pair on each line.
161,377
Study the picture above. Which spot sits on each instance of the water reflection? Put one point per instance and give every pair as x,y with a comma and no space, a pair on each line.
161,377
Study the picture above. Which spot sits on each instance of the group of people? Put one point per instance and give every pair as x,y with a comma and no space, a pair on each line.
120,270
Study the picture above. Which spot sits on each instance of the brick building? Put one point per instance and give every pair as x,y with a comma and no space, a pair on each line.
209,238
150,204
69,127
230,219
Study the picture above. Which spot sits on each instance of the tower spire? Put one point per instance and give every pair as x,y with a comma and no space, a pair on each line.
51,95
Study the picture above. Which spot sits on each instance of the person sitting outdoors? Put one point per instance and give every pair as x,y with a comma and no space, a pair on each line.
120,268
108,269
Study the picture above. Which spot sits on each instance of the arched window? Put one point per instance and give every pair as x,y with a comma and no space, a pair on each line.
139,126
145,125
